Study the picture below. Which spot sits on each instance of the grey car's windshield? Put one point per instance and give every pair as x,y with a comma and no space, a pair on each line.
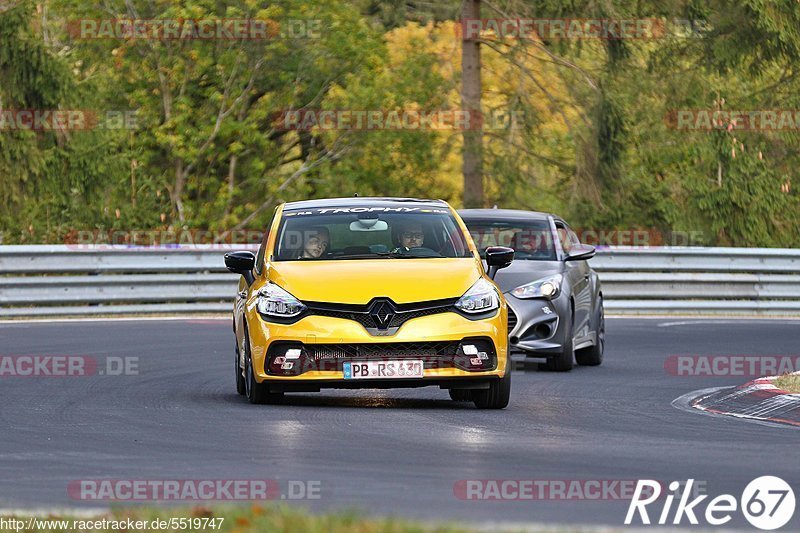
369,233
530,239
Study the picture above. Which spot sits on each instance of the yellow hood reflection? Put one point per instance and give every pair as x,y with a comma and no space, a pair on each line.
358,281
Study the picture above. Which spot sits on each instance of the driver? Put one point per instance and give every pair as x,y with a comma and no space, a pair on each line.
409,236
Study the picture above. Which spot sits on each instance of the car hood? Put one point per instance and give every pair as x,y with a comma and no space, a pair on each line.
524,271
359,281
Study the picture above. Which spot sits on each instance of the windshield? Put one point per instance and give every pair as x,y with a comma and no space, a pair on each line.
369,233
530,239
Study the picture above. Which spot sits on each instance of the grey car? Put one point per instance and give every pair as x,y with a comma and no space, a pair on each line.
555,299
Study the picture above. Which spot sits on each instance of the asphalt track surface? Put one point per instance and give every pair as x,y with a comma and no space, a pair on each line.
395,452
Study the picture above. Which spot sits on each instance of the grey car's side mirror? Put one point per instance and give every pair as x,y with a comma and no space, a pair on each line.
580,252
498,257
241,263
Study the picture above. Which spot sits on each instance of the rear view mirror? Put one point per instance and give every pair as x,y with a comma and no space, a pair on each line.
498,257
580,252
369,224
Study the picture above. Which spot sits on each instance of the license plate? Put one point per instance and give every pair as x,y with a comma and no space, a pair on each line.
383,370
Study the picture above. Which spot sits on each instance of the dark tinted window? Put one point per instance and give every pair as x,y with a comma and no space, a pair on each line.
369,233
529,239
263,248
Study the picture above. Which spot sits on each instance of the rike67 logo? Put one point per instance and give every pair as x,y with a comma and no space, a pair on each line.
767,503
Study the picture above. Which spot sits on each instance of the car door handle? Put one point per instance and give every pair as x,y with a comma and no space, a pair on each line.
242,294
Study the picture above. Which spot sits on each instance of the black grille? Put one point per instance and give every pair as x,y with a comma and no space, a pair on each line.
362,315
362,318
512,319
328,357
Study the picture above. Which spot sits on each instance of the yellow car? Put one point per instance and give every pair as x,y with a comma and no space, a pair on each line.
370,293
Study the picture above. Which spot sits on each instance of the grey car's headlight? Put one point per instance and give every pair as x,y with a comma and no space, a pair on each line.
274,301
482,297
548,287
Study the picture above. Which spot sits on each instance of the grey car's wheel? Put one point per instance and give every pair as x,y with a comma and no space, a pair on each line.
593,355
460,395
257,393
241,386
496,396
563,361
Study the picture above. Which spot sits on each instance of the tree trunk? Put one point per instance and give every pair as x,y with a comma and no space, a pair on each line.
471,104
177,189
231,183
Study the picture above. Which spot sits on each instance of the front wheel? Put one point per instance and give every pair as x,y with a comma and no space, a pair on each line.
257,393
496,396
563,361
593,355
241,387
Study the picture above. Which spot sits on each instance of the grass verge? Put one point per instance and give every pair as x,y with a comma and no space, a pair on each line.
789,382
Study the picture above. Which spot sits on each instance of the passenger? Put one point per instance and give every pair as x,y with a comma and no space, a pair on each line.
315,242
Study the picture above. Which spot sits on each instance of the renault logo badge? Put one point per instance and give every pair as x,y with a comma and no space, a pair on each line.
382,313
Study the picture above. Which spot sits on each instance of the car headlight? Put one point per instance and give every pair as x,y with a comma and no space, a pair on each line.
482,297
274,301
548,287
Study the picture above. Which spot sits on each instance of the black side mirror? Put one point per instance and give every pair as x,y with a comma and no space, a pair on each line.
241,263
498,257
580,252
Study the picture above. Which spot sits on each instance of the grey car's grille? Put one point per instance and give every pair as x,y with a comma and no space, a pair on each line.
512,319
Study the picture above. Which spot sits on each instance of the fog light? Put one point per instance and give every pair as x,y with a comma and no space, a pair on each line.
476,361
470,349
287,366
279,361
483,355
293,353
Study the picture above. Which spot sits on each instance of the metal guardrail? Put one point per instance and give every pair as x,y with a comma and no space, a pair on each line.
61,280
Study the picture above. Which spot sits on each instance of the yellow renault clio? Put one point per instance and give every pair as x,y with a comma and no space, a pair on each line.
370,293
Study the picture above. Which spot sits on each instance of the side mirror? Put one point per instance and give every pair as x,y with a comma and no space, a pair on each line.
580,252
241,263
498,257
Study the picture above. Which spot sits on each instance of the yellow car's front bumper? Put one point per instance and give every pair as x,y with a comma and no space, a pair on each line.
316,331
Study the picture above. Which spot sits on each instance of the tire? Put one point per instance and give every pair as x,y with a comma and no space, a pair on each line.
563,362
496,396
593,355
241,387
257,393
460,395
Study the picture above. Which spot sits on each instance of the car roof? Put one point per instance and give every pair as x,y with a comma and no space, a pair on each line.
502,214
361,201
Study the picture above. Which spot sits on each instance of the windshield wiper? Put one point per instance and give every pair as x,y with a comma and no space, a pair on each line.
400,255
376,255
381,255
